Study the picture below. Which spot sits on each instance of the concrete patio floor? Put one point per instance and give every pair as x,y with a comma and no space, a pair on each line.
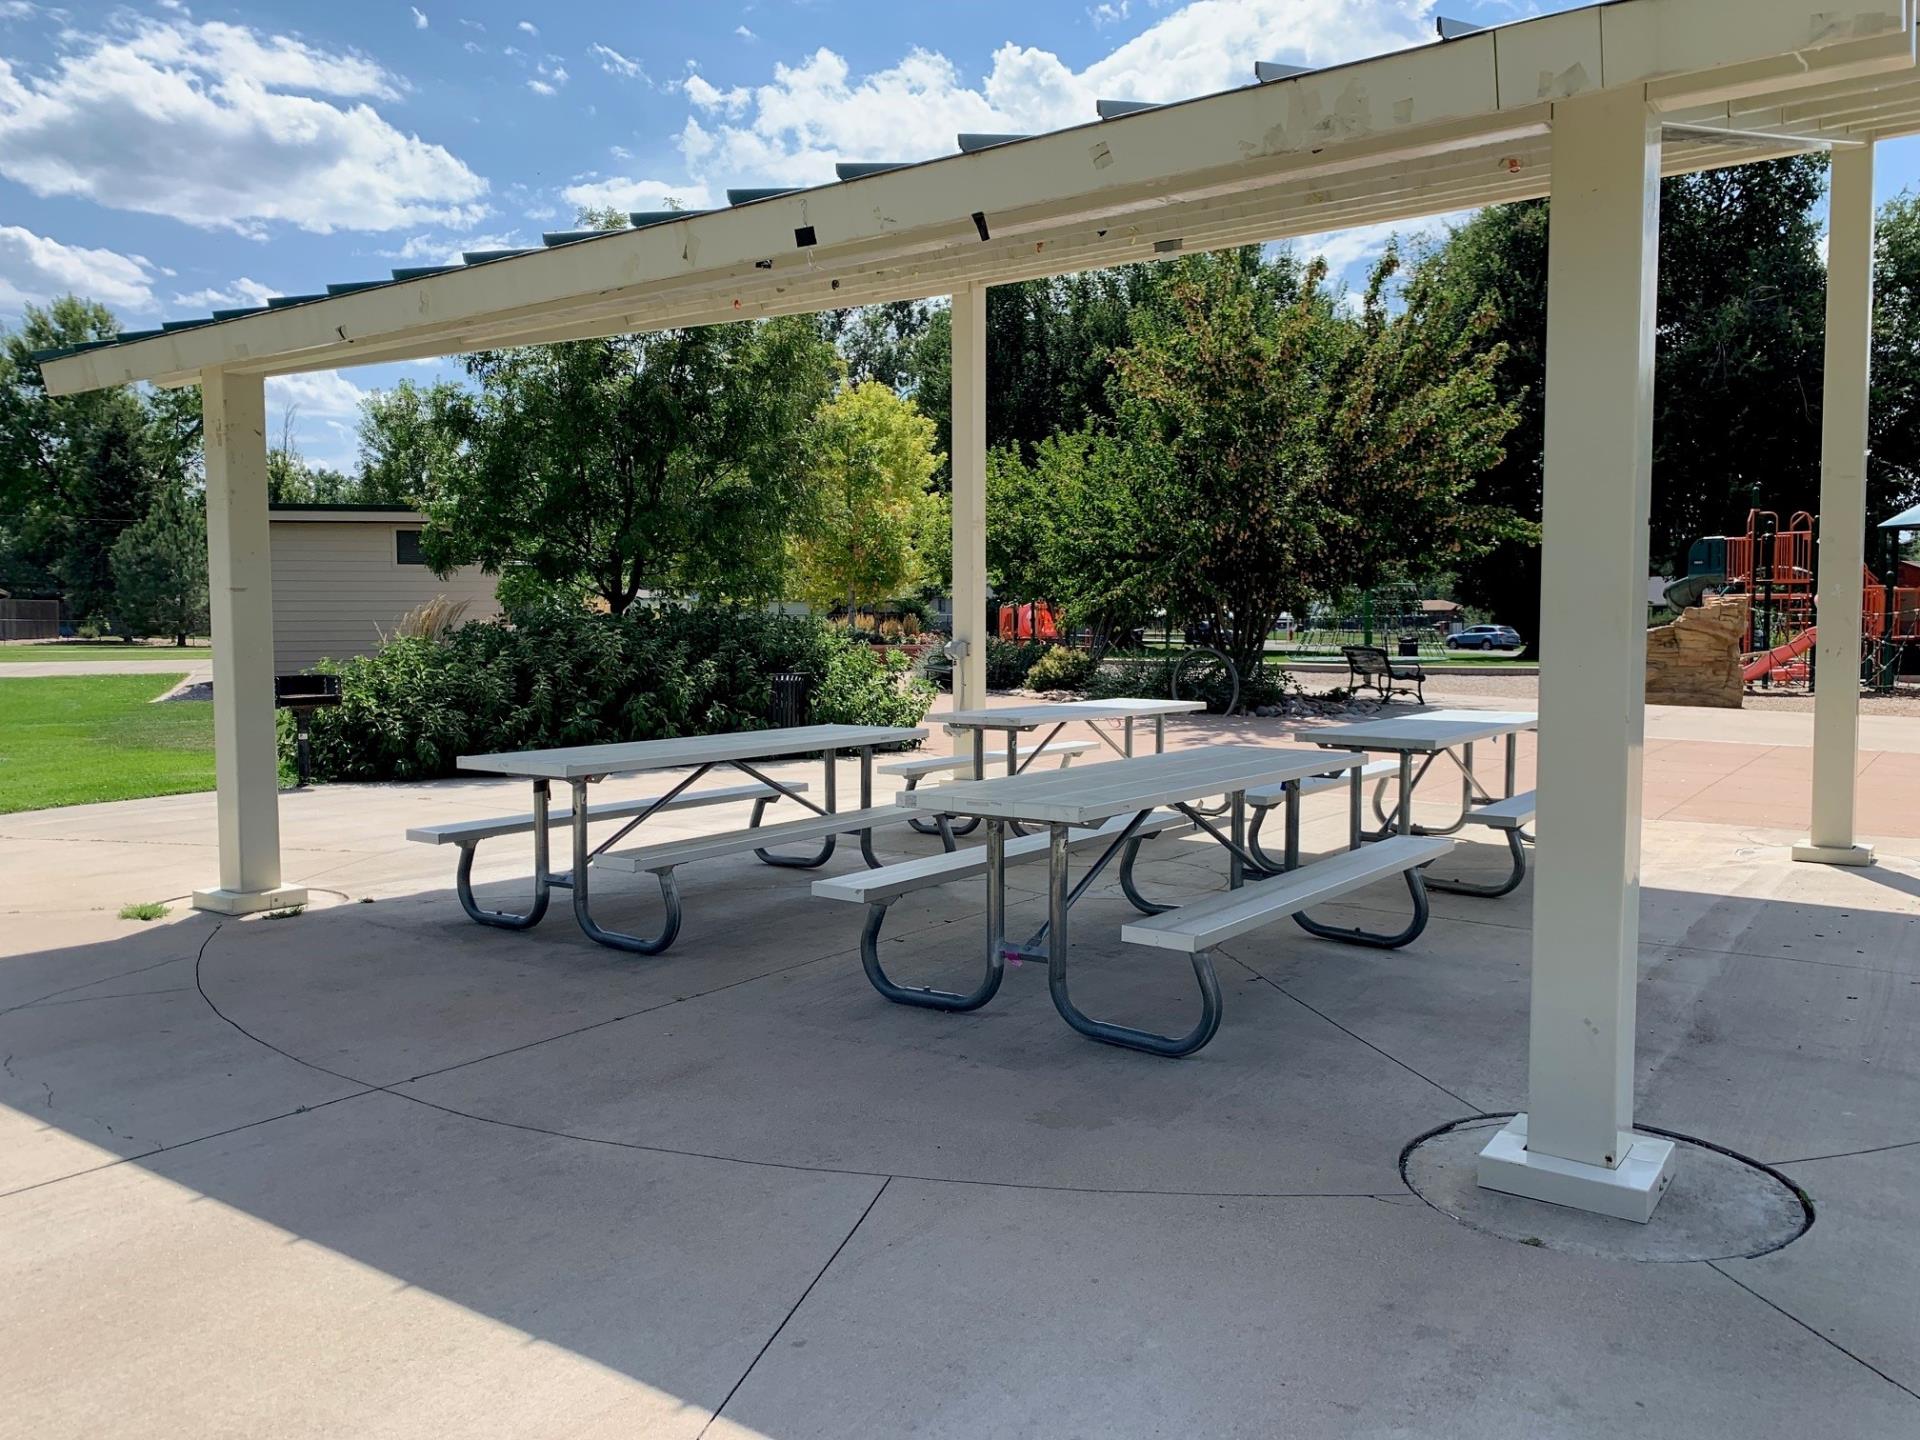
376,1171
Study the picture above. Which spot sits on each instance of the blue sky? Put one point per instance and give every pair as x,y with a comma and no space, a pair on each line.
170,157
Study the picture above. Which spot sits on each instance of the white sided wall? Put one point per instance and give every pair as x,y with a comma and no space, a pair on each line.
337,585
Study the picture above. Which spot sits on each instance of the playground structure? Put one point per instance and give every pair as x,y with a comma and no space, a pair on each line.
1774,567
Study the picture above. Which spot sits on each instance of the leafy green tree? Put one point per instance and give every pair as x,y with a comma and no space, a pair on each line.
670,462
160,568
1737,394
75,470
406,441
871,457
1893,467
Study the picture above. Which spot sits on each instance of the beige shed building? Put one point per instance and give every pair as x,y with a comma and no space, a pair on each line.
344,575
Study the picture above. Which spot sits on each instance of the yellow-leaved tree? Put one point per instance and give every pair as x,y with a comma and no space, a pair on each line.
871,460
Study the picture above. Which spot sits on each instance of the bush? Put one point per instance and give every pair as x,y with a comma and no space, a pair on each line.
1062,669
560,676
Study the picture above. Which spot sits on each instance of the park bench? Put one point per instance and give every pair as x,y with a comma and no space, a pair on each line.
1371,668
468,834
878,889
921,766
1511,816
1196,927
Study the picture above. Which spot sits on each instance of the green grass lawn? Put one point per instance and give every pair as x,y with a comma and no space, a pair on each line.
95,737
194,650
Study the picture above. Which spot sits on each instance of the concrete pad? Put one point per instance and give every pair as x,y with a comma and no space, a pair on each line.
811,1067
377,1268
1020,1313
411,986
1719,1207
1855,1278
132,1065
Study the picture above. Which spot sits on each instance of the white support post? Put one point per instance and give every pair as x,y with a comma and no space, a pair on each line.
969,501
1843,513
1575,1144
240,599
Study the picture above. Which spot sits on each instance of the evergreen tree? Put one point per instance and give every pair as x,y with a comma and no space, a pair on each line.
160,568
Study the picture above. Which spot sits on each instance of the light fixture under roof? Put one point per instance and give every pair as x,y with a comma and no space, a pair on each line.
751,193
1114,109
859,169
1268,71
1455,29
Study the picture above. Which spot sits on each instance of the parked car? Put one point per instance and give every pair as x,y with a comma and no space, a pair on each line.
1485,637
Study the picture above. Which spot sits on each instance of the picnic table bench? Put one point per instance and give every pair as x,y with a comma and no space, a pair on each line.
1452,734
1114,808
582,766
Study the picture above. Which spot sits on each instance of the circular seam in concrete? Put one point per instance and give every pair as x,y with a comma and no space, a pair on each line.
1572,1231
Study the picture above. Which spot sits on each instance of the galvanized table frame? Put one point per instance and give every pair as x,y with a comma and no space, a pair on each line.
1050,943
584,852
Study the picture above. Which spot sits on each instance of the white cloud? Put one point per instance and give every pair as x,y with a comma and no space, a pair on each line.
319,395
35,269
548,77
419,20
744,33
1108,13
443,250
134,120
528,27
1343,249
810,114
230,297
614,63
622,193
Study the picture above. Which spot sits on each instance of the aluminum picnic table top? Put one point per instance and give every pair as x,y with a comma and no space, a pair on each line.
1434,730
1032,717
1091,795
576,762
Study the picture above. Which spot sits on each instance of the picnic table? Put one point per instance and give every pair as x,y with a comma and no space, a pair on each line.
581,766
1113,807
1452,734
1016,720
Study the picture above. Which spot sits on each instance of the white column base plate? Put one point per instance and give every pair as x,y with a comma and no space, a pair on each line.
1813,854
249,902
1628,1192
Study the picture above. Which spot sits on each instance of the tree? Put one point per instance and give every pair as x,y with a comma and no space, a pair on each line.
1737,394
75,470
160,568
871,459
406,441
1893,467
670,462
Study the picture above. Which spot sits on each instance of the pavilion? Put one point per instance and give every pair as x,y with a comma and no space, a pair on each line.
1590,107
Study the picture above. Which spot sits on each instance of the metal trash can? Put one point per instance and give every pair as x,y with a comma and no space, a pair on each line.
787,705
1410,647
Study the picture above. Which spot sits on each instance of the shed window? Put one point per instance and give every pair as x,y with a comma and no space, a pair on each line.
406,548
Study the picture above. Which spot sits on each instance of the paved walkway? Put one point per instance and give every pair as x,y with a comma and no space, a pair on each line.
375,1171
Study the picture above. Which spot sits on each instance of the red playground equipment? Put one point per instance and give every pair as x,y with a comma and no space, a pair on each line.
1033,621
1774,565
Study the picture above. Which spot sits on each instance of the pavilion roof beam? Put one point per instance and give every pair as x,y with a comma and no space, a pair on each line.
1238,225
1682,53
1011,234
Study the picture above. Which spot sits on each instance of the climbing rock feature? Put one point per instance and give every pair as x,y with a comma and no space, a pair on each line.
1696,659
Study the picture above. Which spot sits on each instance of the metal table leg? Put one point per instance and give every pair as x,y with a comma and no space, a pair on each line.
1127,730
1104,1031
1159,734
810,862
542,880
925,997
582,898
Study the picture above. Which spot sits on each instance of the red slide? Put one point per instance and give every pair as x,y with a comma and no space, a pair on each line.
1770,660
